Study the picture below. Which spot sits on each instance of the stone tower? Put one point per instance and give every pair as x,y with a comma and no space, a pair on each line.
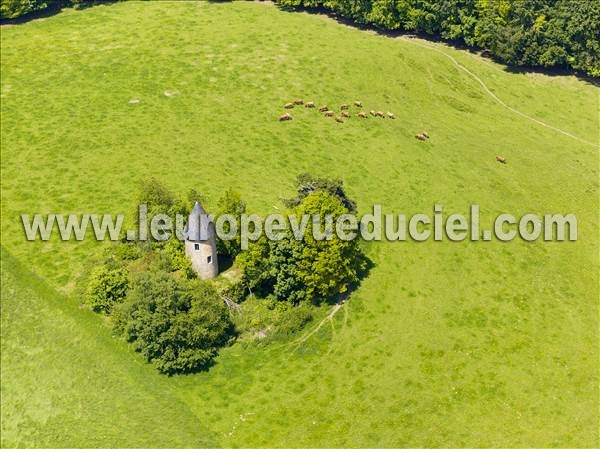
201,243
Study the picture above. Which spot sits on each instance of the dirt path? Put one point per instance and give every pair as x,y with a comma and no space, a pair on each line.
320,325
493,95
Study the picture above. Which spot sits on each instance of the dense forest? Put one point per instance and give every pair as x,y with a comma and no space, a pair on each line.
535,33
532,33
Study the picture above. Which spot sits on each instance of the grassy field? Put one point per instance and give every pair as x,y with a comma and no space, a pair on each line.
445,344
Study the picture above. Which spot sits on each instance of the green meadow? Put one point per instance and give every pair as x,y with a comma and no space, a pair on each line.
456,344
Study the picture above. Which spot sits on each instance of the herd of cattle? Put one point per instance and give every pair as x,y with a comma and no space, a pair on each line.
345,114
344,111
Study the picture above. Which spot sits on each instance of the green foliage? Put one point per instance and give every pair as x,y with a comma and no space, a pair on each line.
307,184
538,33
11,9
307,269
107,287
176,324
268,319
173,258
126,251
157,197
236,291
231,203
327,267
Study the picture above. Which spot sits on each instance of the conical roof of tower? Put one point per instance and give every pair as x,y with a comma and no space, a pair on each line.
198,209
198,227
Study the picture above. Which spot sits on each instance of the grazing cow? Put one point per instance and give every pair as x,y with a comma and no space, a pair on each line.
339,120
299,101
501,159
363,115
373,113
323,108
328,113
425,134
288,105
309,104
345,114
391,115
420,136
285,117
344,107
380,114
358,104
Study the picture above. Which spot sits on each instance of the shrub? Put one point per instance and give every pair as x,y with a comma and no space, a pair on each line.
176,324
307,184
11,9
107,287
173,258
268,319
231,203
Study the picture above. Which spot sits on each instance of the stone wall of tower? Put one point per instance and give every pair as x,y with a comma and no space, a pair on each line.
204,259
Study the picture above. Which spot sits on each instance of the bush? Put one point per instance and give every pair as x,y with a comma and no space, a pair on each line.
107,287
307,184
269,319
231,203
11,9
174,259
176,324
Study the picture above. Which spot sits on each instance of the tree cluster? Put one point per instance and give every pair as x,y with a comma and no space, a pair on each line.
306,269
154,298
535,33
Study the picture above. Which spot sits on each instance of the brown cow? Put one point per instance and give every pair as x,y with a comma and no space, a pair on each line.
345,114
299,101
323,108
358,104
344,107
363,115
380,114
288,105
309,104
501,159
285,117
328,113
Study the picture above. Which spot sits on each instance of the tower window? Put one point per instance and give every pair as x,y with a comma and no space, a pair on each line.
197,246
209,259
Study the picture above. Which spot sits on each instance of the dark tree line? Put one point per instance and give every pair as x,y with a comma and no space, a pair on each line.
535,33
13,9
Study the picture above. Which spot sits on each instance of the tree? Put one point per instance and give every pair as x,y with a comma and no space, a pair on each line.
176,324
231,203
11,9
308,269
307,184
107,287
327,267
